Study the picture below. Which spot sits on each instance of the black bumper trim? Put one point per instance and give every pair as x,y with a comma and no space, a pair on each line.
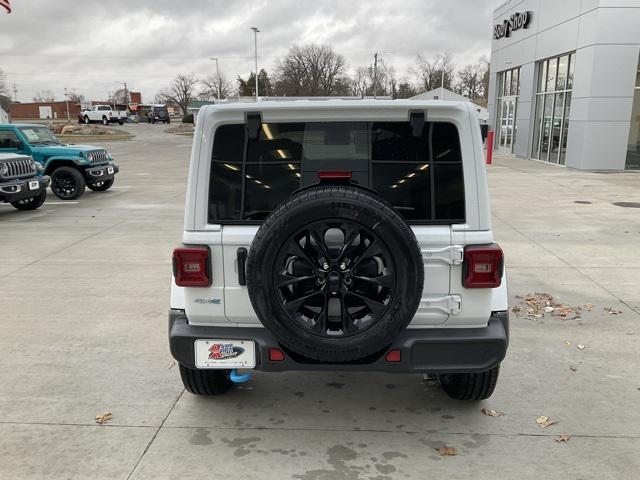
433,350
24,191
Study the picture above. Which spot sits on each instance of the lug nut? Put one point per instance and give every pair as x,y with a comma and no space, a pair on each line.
343,266
325,266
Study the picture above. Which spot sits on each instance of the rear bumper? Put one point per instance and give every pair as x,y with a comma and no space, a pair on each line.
436,350
15,190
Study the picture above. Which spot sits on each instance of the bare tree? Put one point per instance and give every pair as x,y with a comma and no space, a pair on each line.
429,71
311,70
470,81
120,96
485,69
180,92
405,90
44,96
5,98
213,84
74,96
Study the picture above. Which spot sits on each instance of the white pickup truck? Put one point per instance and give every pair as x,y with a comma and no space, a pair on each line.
102,113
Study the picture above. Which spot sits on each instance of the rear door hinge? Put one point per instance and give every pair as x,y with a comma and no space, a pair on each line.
449,304
452,255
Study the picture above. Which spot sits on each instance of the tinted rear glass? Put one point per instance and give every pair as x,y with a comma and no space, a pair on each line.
420,176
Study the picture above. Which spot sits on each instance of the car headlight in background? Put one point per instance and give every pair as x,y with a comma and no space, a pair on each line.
4,169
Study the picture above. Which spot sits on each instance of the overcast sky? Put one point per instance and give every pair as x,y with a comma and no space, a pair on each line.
93,46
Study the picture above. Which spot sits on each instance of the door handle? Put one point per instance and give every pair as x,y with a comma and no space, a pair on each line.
242,260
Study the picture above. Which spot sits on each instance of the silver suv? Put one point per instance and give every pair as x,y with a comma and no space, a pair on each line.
338,235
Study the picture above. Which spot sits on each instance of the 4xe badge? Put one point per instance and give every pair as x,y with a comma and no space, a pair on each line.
219,351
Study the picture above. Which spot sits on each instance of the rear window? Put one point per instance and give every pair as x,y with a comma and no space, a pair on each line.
420,176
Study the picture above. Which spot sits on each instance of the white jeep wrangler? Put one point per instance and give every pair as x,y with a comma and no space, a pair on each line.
339,235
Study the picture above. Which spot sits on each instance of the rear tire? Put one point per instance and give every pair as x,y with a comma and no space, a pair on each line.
470,386
120,122
67,183
31,203
105,121
86,120
205,382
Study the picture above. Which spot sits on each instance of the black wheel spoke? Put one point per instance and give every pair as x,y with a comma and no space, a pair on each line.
348,325
350,235
387,281
318,237
292,306
298,251
376,307
321,321
284,279
371,250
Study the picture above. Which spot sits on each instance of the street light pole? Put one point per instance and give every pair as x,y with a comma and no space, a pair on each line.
217,76
255,41
66,95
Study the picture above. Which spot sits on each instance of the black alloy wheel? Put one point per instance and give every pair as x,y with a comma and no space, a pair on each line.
67,183
334,278
335,273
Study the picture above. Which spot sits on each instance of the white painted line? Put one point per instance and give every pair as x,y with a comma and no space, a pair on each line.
60,203
120,187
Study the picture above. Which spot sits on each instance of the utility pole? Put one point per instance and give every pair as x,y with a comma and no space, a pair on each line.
375,75
15,93
66,96
255,40
218,81
126,94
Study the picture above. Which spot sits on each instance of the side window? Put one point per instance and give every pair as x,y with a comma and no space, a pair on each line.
8,139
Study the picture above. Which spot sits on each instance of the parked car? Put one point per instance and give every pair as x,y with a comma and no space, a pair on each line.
339,235
20,184
158,113
103,114
71,167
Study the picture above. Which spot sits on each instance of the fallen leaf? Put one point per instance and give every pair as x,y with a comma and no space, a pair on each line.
103,418
447,451
588,306
612,311
491,413
581,347
573,369
563,438
544,421
171,365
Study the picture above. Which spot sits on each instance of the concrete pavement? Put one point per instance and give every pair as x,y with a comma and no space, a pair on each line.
85,290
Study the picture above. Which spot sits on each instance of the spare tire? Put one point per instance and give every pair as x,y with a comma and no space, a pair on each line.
335,273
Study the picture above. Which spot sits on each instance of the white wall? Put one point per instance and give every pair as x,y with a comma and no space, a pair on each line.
606,37
4,116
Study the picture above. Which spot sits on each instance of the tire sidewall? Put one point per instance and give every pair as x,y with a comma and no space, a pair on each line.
327,204
78,178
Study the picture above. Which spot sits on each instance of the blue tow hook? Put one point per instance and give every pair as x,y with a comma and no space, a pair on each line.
235,378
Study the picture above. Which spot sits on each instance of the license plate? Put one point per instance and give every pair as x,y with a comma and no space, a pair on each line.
34,185
219,353
110,170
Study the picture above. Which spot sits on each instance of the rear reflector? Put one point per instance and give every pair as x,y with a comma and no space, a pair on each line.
334,175
276,355
191,267
483,265
394,356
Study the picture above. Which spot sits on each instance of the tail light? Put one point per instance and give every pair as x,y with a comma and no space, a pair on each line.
483,266
191,267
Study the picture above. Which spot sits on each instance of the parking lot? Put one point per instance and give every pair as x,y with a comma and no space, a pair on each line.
85,293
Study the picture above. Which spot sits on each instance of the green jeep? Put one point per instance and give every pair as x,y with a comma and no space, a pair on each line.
71,167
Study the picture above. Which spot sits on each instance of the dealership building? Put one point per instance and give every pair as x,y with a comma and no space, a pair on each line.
565,82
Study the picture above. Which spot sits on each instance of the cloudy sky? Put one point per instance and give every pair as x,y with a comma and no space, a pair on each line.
93,46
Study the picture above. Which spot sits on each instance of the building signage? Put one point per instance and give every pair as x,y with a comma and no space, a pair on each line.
514,22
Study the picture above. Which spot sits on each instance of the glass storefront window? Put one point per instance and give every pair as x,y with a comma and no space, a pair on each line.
553,105
509,89
633,149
